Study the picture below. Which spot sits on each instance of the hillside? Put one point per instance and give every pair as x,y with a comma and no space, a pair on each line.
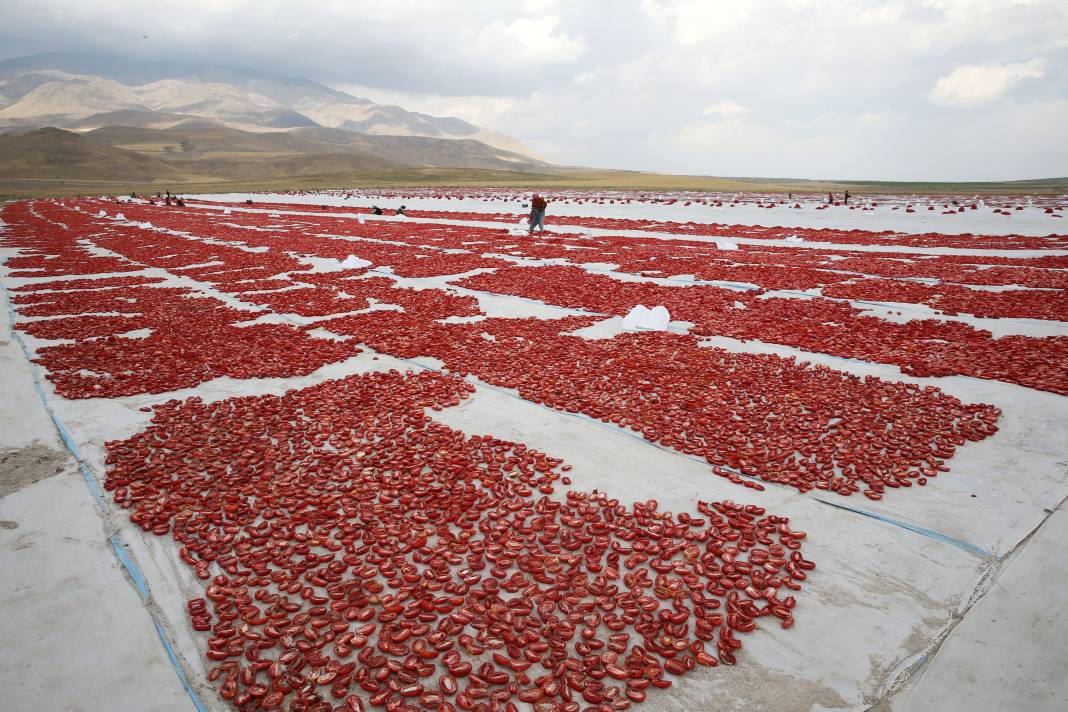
53,154
192,143
197,151
80,92
140,125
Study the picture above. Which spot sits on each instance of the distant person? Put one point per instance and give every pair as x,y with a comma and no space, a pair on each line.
537,213
830,198
179,202
847,197
375,210
400,210
167,200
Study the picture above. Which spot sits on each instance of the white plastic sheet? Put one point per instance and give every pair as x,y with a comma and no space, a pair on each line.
519,229
641,318
354,262
726,245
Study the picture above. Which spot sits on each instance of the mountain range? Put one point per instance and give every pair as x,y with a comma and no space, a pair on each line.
217,124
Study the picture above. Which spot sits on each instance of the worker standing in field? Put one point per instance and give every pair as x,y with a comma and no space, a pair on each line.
537,213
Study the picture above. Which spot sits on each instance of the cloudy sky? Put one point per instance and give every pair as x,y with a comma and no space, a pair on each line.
895,90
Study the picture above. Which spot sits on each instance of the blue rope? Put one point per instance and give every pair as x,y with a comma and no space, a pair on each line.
909,526
738,286
626,432
930,533
115,540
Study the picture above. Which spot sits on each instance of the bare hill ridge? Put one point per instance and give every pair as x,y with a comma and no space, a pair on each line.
54,154
198,150
136,121
82,92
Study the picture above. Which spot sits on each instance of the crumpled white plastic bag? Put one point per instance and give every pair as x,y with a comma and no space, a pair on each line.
641,318
519,229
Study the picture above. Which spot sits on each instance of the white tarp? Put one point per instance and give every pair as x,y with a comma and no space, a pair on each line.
354,262
640,318
520,228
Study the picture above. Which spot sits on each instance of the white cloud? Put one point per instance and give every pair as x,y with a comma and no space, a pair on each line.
697,21
527,41
486,111
725,108
973,85
801,88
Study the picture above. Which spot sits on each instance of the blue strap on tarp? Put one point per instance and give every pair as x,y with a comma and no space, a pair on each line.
115,540
929,533
909,526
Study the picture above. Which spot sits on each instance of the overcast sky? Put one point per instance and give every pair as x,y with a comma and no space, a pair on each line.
904,89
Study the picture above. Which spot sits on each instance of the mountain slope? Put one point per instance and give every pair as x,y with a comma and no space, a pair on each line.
133,117
53,154
66,90
191,144
213,153
422,151
73,96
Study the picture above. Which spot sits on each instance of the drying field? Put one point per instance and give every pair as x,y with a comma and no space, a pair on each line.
350,461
